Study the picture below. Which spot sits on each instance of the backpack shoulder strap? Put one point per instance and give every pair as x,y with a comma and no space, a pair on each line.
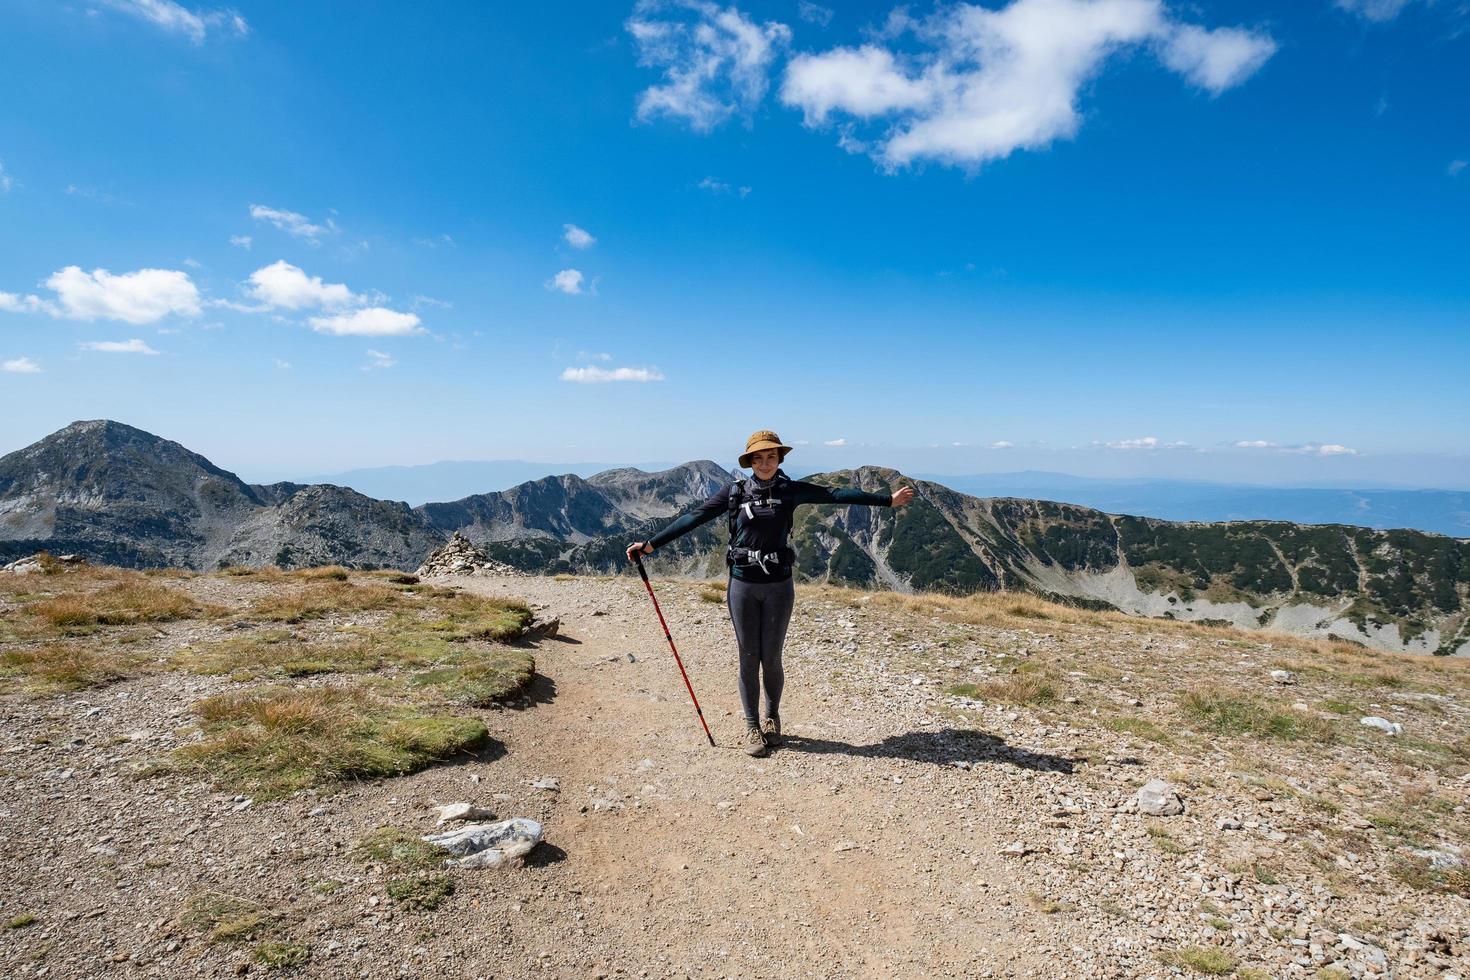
737,494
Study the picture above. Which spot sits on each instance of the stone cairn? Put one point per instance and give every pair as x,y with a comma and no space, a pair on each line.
459,556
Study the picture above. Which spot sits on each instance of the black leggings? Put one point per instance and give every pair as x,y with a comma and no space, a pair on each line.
761,612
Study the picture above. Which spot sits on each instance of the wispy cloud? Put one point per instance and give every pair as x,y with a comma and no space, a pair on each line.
21,365
435,241
714,60
716,186
377,360
134,346
1455,167
241,241
6,181
282,365
1304,448
1374,10
567,281
814,13
1145,443
597,375
1002,444
375,321
578,237
176,19
144,296
835,442
293,223
986,83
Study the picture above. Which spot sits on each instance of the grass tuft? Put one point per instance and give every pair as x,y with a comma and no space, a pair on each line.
126,603
55,667
1211,962
271,741
226,918
275,954
427,892
401,851
1216,710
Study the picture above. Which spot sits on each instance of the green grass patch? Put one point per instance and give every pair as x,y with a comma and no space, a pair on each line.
1028,688
226,918
1210,962
271,741
1219,712
54,667
274,954
1137,727
478,678
400,851
324,597
1163,841
425,892
21,921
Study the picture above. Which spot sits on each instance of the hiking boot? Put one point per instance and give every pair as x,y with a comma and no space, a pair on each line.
772,731
755,742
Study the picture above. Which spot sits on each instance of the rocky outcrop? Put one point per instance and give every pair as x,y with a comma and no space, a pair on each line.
460,557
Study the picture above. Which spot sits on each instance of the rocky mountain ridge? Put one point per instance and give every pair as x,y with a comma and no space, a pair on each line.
114,493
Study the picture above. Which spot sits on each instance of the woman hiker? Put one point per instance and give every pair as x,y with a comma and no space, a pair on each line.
761,592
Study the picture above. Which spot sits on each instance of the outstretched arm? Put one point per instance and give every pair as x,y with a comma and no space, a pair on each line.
811,493
703,514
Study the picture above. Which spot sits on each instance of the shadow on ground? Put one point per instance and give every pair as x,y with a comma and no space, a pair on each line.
944,747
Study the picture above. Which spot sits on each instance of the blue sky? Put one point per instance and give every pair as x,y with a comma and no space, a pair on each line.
1107,237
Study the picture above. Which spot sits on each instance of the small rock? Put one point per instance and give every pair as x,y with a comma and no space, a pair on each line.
450,812
844,845
1283,677
548,783
1157,798
488,845
1015,848
1383,724
1225,823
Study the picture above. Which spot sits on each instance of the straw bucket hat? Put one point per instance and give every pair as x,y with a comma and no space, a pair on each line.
762,439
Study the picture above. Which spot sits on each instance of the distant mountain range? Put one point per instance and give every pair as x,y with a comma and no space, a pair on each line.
118,494
1440,511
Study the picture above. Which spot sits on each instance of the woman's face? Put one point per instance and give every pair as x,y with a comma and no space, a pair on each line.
765,463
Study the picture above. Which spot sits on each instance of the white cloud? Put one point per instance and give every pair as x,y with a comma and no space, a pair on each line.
422,300
567,281
13,303
714,59
1455,167
176,19
1255,444
138,297
1002,444
1219,59
284,286
1332,449
434,242
6,181
597,375
283,365
814,13
241,241
375,321
377,359
1147,442
835,442
716,186
986,83
21,365
292,223
1375,10
578,237
134,346
1307,449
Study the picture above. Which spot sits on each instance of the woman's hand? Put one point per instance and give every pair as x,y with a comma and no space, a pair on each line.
638,547
902,496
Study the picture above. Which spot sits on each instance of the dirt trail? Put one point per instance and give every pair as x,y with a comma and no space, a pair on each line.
835,856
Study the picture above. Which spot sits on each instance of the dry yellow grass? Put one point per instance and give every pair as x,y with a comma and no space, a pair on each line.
54,667
125,603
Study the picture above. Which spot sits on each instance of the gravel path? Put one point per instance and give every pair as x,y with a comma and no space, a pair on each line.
903,831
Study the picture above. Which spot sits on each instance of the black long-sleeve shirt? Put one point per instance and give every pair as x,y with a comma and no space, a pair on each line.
767,532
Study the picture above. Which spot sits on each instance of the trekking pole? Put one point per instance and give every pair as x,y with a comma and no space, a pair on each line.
643,572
